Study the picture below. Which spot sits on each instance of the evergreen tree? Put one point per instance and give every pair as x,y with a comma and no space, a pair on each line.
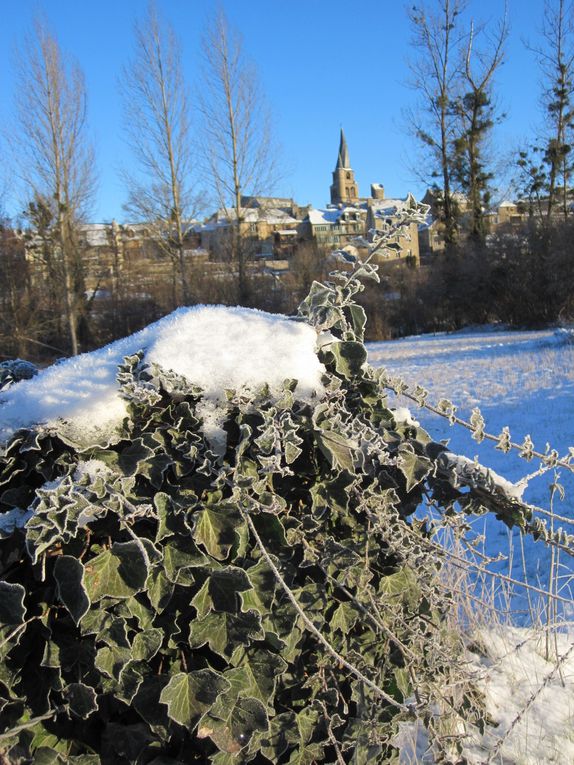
476,110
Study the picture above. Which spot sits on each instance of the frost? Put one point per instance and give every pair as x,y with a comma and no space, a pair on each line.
470,472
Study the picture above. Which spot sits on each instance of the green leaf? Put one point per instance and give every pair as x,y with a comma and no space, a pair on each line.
224,587
129,680
337,449
344,618
146,644
414,467
180,554
263,585
223,632
159,589
231,726
12,609
215,530
119,572
133,456
71,589
81,698
190,694
111,660
256,674
401,586
108,628
350,357
358,319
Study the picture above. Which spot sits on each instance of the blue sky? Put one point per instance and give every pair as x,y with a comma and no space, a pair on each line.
323,65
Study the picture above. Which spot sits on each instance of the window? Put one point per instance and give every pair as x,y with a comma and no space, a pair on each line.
348,176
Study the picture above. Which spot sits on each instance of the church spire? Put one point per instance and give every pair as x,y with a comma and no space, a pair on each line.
343,160
344,190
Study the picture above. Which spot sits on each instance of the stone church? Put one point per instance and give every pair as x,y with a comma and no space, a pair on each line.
350,216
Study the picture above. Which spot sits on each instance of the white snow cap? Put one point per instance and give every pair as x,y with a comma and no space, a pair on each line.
214,347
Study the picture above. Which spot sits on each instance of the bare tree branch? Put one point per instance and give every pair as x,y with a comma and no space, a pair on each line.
55,159
157,123
240,156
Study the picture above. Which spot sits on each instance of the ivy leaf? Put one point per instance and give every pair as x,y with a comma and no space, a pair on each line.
350,356
133,456
159,589
146,644
256,674
261,594
231,726
215,530
180,554
224,586
81,698
414,467
108,628
12,609
71,589
119,572
344,618
190,694
337,449
110,660
223,632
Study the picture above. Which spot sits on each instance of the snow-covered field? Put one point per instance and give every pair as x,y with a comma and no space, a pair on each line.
523,380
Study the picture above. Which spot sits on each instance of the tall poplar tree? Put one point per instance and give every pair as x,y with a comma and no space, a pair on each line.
157,123
239,151
55,158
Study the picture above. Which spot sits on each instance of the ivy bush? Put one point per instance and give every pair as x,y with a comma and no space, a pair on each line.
278,603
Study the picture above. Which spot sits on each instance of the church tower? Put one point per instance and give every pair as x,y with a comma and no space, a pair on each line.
344,187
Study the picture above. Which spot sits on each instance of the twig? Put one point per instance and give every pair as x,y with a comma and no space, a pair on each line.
311,627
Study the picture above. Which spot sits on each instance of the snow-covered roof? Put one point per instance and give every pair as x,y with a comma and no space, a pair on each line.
215,347
388,206
507,203
273,216
319,217
96,234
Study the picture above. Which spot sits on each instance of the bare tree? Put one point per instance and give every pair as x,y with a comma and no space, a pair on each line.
54,156
157,122
436,77
240,155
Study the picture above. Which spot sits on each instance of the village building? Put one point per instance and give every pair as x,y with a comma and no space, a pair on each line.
351,220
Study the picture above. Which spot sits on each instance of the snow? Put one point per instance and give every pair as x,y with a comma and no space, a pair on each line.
324,217
523,380
470,472
529,700
215,347
520,682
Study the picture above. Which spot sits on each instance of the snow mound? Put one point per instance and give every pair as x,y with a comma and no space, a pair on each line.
214,347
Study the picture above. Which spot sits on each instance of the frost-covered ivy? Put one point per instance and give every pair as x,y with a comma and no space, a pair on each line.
271,601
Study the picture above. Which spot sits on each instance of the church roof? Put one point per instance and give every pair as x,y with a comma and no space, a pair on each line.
343,158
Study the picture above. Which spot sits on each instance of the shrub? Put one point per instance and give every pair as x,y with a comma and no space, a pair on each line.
275,603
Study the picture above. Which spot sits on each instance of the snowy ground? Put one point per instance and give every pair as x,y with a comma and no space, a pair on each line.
524,380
